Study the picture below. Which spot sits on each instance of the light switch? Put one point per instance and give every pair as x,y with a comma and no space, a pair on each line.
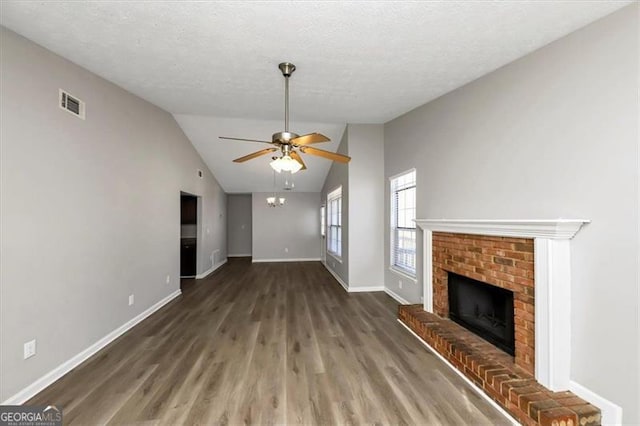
30,349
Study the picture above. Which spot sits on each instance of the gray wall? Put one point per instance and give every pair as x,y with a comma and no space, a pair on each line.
291,231
362,181
366,205
339,176
239,224
90,209
554,134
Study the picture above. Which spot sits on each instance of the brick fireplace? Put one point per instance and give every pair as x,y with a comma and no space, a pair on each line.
530,260
504,262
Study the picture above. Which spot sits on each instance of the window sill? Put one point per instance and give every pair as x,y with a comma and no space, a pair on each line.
404,274
335,256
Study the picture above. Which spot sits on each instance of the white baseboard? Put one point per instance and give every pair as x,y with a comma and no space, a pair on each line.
478,390
346,286
611,413
27,393
310,259
337,277
365,289
239,255
401,300
210,270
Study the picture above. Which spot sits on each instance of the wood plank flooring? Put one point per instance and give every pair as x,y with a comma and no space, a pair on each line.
268,343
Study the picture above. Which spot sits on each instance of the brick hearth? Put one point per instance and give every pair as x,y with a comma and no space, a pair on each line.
494,371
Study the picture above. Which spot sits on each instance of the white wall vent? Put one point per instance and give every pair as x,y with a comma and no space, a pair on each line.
71,104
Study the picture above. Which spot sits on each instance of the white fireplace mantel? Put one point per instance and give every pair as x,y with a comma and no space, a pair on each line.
552,263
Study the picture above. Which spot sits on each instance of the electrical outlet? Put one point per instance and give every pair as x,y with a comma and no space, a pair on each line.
168,279
421,299
130,299
30,349
399,283
286,250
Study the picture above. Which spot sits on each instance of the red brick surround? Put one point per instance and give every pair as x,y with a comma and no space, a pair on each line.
501,261
496,374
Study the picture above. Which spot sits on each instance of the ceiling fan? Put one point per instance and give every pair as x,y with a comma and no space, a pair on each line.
289,143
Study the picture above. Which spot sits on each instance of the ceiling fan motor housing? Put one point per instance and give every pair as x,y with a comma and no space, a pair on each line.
284,137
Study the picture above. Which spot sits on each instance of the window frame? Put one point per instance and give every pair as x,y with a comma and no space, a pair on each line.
334,200
394,189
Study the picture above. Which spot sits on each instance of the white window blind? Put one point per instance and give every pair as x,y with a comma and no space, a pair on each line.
403,227
334,222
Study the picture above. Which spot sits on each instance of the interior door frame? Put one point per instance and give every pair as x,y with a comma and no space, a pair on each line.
323,238
199,234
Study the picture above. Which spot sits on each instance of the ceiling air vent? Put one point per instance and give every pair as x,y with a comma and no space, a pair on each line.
71,104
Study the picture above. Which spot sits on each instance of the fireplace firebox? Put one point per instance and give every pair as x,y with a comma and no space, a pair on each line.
484,309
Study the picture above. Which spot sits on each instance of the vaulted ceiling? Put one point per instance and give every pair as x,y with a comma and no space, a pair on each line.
214,64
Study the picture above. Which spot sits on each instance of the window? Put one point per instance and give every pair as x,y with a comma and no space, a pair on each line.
322,221
334,222
403,227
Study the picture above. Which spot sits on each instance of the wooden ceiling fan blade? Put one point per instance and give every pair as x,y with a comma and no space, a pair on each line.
243,139
254,155
309,139
297,157
326,154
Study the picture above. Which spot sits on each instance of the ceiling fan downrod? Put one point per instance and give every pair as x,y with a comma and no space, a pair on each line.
287,69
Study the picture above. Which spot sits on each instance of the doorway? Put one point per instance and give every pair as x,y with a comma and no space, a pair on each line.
239,225
188,237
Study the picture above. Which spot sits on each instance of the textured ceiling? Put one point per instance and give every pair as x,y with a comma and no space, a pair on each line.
358,62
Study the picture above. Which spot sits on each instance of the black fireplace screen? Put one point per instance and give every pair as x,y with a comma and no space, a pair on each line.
484,309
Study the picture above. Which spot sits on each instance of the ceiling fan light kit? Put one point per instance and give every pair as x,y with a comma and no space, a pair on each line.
288,142
286,164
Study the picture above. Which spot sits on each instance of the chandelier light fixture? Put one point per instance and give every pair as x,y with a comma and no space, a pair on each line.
274,200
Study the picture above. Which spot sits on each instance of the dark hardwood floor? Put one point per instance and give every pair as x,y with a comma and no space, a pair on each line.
268,343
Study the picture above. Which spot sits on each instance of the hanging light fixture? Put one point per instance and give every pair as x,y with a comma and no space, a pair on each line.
274,200
285,163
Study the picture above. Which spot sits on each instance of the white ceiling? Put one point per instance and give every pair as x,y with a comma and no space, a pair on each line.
358,62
